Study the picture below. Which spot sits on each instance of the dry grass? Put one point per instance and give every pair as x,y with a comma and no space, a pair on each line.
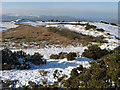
29,33
42,36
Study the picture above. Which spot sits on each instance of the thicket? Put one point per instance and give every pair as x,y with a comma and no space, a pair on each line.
88,27
95,52
19,59
62,55
103,73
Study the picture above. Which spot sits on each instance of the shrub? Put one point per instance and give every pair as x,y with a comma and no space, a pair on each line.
104,22
7,83
100,39
113,24
117,49
117,38
43,72
100,74
88,26
9,60
20,54
37,59
94,52
108,33
54,56
61,78
80,68
24,66
101,30
71,56
56,73
44,81
62,55
74,72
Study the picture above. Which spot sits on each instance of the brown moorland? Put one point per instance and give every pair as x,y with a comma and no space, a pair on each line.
45,36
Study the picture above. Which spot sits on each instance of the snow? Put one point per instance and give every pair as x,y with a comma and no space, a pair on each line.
46,52
7,25
108,46
107,27
81,29
24,76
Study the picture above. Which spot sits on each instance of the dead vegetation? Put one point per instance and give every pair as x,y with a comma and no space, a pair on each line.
45,36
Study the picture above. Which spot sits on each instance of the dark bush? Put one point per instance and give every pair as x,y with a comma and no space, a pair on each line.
74,72
108,33
54,56
24,66
71,56
94,52
88,26
113,24
62,55
100,74
101,30
61,78
100,39
20,54
104,22
37,59
9,60
80,68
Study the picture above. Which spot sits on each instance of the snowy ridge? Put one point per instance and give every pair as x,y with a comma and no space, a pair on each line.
107,27
7,25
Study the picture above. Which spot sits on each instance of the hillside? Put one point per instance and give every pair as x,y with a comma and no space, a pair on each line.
59,54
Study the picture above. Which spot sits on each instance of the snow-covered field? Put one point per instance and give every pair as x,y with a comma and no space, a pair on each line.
24,76
46,52
7,25
66,66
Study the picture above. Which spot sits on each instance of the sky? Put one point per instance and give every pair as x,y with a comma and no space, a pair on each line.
60,0
94,10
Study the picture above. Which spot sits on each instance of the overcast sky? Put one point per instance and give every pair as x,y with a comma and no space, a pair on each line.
103,10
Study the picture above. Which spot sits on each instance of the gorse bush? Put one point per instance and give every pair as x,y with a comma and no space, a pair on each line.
37,59
7,83
62,55
104,22
21,54
88,26
104,73
10,60
54,56
94,52
101,30
56,73
71,56
113,24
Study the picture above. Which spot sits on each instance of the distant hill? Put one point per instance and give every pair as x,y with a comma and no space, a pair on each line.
41,18
54,18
